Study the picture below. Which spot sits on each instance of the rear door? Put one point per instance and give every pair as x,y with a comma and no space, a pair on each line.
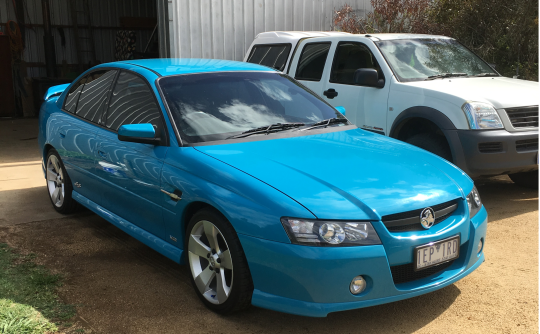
310,64
75,132
130,172
271,55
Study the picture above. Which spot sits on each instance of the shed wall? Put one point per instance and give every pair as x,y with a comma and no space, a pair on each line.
104,16
224,29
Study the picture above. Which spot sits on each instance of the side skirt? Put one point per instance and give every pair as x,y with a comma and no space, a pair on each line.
146,238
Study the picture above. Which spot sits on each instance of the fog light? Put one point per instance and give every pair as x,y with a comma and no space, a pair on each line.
480,245
358,285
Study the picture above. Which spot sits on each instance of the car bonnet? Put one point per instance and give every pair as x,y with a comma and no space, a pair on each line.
349,174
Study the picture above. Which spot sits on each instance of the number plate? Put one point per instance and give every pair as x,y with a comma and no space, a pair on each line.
435,253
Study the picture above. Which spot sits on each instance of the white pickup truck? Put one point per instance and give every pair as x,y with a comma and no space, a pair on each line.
429,91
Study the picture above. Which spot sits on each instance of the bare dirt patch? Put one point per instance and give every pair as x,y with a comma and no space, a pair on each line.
121,286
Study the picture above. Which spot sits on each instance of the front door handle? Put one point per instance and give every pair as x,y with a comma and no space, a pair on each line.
62,135
102,154
330,93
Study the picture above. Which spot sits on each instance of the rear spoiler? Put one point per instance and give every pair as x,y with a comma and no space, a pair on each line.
55,91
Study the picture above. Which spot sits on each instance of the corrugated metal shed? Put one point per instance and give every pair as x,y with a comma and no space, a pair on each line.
104,16
224,29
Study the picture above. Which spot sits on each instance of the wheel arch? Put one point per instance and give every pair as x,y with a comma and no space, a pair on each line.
420,114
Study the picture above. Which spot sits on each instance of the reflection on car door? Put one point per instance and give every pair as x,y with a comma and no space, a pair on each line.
365,106
130,172
74,136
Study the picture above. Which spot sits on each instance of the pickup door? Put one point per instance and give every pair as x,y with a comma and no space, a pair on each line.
327,66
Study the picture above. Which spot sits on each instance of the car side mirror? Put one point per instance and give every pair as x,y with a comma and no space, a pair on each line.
341,110
368,77
139,133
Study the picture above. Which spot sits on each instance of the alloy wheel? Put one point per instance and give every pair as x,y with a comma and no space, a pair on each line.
210,262
55,181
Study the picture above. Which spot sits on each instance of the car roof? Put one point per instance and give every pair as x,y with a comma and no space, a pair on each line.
297,35
175,66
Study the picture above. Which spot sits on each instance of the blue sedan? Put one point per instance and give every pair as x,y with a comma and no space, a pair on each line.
269,195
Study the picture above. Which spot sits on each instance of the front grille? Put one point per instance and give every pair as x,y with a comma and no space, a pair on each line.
523,117
527,145
490,147
410,220
405,272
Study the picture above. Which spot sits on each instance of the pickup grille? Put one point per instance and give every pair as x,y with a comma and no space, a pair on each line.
490,147
523,117
527,145
410,220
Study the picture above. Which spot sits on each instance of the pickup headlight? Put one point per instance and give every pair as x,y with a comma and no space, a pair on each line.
329,232
474,201
482,116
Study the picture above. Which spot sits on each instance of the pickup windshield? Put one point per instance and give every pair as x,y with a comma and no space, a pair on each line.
419,59
223,105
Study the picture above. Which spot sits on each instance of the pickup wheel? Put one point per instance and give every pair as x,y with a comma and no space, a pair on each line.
219,271
433,143
525,179
59,184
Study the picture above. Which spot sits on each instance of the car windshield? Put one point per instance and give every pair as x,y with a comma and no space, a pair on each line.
216,106
419,59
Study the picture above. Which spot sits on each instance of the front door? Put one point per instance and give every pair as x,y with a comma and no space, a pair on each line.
365,106
131,172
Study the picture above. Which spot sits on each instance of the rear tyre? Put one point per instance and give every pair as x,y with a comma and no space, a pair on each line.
219,270
59,184
433,143
526,179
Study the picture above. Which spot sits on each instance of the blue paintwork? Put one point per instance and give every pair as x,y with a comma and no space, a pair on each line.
145,130
348,174
341,110
54,90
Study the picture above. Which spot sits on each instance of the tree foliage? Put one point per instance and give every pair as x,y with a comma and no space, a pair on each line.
502,32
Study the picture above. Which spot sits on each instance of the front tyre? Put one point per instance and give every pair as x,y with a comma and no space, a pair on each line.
525,179
219,270
59,184
433,143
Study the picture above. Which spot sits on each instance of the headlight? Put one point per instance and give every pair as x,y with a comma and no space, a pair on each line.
474,201
482,116
330,233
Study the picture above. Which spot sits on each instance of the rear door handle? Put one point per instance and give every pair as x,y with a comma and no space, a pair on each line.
62,135
102,154
330,93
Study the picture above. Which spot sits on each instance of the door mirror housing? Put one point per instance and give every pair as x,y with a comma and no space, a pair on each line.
341,110
368,77
139,133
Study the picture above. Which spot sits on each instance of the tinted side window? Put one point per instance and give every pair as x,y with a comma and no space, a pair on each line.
132,102
92,100
312,60
73,96
274,56
350,57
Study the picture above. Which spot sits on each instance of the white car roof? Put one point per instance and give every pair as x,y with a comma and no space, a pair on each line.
297,35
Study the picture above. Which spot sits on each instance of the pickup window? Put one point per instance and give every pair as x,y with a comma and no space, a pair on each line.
271,55
312,60
349,57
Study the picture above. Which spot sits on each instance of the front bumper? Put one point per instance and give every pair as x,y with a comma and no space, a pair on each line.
507,160
314,281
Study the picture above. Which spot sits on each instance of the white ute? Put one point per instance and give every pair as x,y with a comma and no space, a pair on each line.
429,91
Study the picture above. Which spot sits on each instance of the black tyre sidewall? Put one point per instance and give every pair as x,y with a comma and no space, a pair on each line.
242,288
433,143
69,204
526,179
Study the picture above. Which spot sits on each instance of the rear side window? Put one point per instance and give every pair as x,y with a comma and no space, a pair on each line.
73,96
133,102
271,55
312,60
93,97
350,57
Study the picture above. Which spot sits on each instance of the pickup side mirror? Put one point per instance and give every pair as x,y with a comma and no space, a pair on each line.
368,77
138,133
341,110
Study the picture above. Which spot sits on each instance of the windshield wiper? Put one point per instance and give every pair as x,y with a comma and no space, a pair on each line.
485,75
326,123
446,75
267,129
